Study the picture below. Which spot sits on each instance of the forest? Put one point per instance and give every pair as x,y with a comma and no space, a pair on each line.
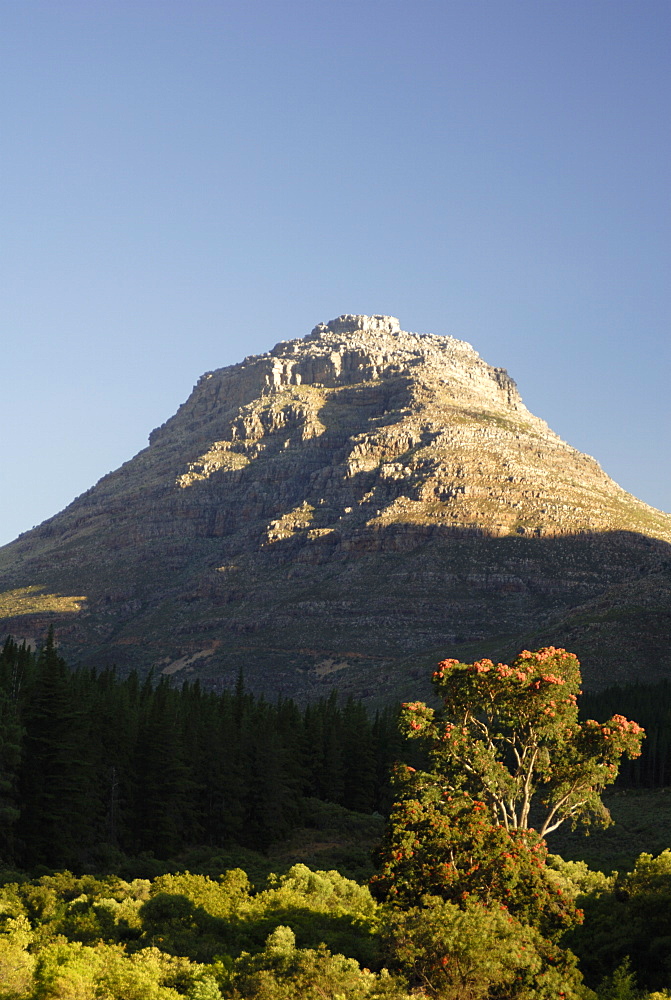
154,840
95,764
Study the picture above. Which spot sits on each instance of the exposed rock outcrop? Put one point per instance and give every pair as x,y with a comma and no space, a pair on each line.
364,496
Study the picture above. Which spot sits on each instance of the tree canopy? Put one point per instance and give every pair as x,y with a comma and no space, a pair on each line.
510,736
508,761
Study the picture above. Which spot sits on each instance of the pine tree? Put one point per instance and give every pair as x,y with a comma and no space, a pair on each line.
13,663
163,774
56,781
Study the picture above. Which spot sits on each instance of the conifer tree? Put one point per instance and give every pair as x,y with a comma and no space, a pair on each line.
11,737
56,783
162,773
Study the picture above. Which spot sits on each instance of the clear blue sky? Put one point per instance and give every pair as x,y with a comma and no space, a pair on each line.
184,182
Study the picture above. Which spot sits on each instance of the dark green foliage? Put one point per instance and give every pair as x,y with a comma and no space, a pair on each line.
94,768
650,705
621,985
628,920
147,769
641,822
11,737
56,782
476,952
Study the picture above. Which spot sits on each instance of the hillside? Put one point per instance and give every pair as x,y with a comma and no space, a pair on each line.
345,509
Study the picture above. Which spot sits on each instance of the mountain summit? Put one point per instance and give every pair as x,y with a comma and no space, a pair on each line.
344,510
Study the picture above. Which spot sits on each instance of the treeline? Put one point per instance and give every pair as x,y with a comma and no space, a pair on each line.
650,706
90,759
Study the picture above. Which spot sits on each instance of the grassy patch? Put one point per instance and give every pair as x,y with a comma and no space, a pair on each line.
642,822
33,600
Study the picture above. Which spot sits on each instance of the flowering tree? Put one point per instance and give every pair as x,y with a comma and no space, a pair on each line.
449,848
510,736
507,753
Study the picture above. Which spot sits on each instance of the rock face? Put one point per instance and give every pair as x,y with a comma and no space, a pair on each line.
344,510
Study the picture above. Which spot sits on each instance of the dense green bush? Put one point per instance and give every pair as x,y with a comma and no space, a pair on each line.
307,934
628,918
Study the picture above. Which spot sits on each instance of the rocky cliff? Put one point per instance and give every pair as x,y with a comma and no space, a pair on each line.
344,510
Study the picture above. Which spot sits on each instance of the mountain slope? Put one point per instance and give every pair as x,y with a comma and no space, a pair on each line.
343,510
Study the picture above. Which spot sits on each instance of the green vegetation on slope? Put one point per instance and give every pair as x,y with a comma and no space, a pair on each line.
469,904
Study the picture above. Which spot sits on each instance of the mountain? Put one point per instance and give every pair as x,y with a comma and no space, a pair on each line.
344,510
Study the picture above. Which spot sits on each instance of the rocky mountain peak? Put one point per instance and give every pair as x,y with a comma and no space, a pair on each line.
327,510
370,347
348,324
